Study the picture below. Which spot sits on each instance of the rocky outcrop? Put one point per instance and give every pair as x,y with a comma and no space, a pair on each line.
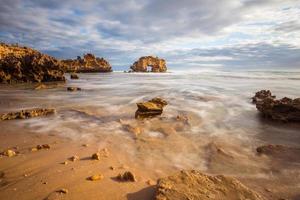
89,63
150,108
24,114
23,64
156,64
196,185
285,109
260,95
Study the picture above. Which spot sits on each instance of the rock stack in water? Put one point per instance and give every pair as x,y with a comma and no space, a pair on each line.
22,64
285,109
150,108
156,64
89,63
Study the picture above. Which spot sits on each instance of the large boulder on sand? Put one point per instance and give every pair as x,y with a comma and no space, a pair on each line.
156,64
89,63
196,185
150,108
285,109
23,64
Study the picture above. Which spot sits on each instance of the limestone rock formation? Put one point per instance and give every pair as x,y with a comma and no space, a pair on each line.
89,63
260,95
150,108
285,109
195,185
23,64
156,64
24,114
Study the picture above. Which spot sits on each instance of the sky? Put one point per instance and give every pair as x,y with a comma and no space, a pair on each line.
188,34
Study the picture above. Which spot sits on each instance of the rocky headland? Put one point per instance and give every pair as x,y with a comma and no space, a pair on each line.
154,63
23,64
89,63
285,109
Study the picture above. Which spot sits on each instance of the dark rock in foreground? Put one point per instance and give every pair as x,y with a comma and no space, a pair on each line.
285,109
156,64
24,114
150,108
195,185
22,64
89,63
126,177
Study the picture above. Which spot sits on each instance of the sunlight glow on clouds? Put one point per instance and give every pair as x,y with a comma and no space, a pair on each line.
204,33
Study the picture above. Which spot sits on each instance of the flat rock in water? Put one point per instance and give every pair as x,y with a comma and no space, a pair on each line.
150,108
74,76
24,114
196,185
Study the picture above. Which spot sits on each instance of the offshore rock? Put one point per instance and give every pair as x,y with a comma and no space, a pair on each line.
73,89
89,63
156,64
195,185
23,64
150,108
260,95
285,109
74,76
24,114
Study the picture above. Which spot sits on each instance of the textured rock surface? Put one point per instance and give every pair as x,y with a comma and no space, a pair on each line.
89,63
150,108
126,177
24,114
195,185
22,64
285,109
260,95
156,64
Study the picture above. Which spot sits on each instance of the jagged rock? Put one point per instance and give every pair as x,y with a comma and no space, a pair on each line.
89,63
156,64
260,95
284,109
74,76
96,177
23,64
24,114
196,185
126,177
150,108
73,89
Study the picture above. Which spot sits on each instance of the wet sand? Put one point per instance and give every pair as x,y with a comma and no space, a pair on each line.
220,136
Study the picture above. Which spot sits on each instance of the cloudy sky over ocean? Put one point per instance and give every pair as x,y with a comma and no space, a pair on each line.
248,34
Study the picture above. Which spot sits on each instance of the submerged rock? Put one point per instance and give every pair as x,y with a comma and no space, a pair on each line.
150,108
23,64
74,76
24,114
89,63
126,177
156,64
73,89
285,109
195,185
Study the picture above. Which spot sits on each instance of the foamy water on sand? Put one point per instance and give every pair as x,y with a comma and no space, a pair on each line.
221,117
